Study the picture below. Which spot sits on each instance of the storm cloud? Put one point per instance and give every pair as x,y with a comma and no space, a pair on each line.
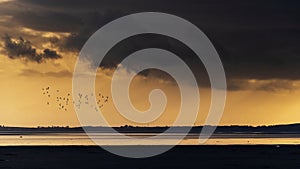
255,39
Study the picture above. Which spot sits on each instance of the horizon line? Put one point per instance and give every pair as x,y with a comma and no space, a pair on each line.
124,126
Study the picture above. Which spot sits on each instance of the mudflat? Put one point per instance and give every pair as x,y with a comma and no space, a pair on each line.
183,157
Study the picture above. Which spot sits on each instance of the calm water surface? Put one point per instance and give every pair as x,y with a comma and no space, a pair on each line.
17,139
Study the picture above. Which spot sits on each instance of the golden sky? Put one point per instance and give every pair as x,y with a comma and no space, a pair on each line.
23,104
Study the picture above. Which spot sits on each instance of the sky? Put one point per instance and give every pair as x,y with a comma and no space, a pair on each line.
257,41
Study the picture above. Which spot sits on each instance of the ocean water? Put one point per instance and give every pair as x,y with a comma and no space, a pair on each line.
57,139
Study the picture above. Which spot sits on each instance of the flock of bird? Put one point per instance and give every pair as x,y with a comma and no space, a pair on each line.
85,99
63,101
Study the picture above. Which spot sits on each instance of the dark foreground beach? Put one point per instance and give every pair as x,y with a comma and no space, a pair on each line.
85,157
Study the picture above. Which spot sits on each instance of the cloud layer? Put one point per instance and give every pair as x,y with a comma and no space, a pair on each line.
255,39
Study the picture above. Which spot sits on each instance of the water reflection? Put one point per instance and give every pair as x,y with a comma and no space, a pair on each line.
11,139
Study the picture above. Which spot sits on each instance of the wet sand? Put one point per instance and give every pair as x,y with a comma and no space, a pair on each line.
85,157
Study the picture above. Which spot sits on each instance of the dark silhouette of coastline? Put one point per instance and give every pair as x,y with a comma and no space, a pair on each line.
276,129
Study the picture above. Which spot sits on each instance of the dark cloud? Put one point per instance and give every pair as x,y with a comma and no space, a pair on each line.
255,39
22,49
50,54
